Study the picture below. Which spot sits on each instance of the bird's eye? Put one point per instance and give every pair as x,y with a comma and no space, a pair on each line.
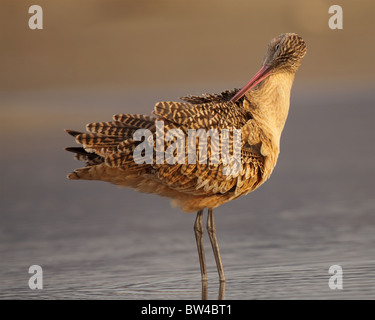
277,47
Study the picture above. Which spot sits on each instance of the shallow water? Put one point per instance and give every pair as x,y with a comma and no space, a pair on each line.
95,241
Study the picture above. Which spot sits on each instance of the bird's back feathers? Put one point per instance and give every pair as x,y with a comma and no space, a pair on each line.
108,151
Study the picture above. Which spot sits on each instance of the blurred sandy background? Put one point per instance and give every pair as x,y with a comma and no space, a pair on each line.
97,58
126,44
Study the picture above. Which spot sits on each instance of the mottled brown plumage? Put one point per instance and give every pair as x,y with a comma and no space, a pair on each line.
259,110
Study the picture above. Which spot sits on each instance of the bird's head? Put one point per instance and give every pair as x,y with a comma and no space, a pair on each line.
284,54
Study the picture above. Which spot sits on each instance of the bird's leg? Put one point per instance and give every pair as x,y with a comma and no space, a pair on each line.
215,246
198,229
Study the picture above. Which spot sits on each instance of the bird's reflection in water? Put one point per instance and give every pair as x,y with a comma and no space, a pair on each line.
221,294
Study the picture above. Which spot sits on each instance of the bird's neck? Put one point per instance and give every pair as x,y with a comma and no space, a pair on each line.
269,103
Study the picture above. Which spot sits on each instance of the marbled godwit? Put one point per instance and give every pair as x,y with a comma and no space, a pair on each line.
259,113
